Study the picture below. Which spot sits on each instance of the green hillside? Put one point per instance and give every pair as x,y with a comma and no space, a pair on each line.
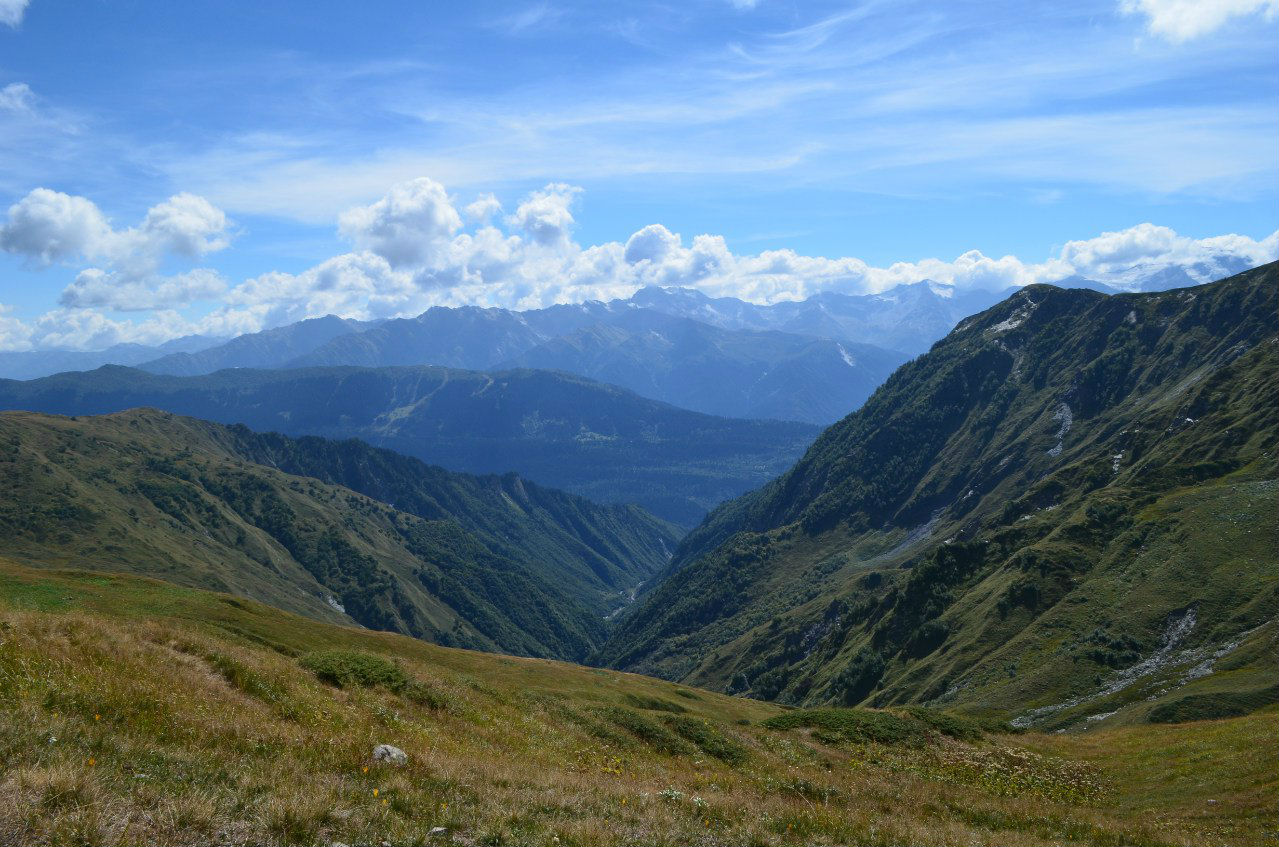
596,440
1064,511
133,711
494,563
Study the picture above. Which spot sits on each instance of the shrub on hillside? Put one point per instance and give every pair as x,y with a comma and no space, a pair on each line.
355,669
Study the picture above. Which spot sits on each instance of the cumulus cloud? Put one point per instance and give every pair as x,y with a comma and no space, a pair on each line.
485,207
1122,258
414,252
82,329
14,334
653,243
537,263
545,215
363,285
96,288
406,227
185,224
1182,20
48,226
11,11
89,330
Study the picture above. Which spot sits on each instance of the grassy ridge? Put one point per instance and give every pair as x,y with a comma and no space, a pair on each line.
489,563
135,711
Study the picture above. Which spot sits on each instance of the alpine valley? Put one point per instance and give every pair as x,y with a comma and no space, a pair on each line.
578,423
1025,593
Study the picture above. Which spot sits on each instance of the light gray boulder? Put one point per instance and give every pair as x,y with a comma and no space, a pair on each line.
387,753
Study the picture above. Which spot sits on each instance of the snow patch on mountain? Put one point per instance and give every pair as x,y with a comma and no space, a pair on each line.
1067,418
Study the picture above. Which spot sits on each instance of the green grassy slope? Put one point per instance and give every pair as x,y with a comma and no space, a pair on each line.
494,563
135,711
595,440
1066,508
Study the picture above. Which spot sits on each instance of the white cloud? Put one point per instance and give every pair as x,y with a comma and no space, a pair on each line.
11,11
49,226
540,264
16,97
363,285
406,227
85,329
545,214
95,288
417,254
534,17
1183,20
483,209
1122,258
653,243
14,334
186,225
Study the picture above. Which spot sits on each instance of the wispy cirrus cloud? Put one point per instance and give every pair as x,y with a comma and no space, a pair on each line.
882,98
529,19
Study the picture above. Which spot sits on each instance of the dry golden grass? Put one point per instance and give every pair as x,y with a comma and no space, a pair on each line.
132,712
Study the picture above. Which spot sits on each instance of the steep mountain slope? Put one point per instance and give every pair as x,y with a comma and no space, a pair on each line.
736,373
268,349
493,563
568,432
1064,510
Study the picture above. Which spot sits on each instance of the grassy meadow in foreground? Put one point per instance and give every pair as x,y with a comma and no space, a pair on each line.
133,711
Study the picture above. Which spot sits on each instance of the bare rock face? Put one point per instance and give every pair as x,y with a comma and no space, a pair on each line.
387,753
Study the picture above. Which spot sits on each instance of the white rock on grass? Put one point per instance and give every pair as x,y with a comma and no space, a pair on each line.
387,753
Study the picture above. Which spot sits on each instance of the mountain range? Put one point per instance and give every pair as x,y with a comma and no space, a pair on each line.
560,430
906,318
734,373
1062,512
653,344
812,361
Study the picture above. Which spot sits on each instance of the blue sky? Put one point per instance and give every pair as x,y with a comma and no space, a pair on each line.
809,145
